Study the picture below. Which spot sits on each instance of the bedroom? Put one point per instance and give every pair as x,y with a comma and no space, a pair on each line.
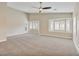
39,28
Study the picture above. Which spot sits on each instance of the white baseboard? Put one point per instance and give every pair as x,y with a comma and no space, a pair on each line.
3,40
56,36
8,35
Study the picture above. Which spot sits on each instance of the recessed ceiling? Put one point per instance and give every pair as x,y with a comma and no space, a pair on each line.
33,7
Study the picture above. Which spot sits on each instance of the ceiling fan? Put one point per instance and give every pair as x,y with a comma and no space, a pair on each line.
43,8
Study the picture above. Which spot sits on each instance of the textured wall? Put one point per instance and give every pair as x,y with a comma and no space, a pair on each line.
16,22
76,26
3,23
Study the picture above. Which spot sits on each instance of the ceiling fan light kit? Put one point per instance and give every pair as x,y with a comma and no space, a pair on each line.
43,8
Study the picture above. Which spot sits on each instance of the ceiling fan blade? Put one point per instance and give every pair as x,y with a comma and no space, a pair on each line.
46,7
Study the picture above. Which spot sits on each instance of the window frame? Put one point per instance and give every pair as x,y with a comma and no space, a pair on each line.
60,20
32,24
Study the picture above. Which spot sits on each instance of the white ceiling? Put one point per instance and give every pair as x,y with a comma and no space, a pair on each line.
32,7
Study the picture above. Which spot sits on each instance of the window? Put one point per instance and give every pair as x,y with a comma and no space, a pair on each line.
63,25
30,23
57,26
51,27
68,25
34,25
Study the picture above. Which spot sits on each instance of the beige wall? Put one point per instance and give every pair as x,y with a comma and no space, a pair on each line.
12,22
16,22
76,26
44,22
3,20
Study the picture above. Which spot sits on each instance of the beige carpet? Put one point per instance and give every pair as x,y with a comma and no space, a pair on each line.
35,45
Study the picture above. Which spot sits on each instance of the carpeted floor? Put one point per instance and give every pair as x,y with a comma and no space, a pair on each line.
35,45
